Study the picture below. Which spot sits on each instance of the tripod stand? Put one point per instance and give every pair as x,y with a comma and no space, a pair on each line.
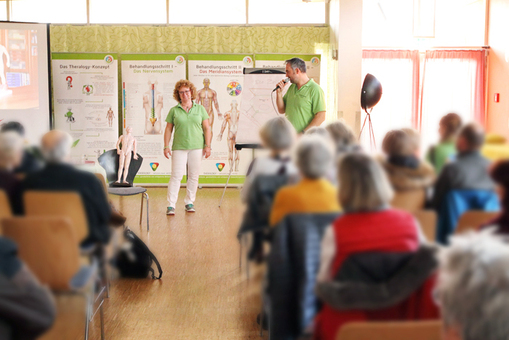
372,142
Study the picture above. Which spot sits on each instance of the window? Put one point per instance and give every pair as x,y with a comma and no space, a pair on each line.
286,12
48,11
127,12
203,12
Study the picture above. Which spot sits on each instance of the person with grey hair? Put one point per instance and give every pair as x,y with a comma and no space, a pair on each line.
59,175
343,137
384,244
11,154
473,286
304,102
313,193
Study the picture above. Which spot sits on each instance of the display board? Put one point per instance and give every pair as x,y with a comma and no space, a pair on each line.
24,77
148,81
313,62
219,79
85,101
259,102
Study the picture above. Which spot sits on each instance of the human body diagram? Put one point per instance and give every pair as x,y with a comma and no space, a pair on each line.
125,153
231,118
110,116
3,51
208,98
153,104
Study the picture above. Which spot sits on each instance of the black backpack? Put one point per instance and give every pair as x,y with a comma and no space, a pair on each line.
136,259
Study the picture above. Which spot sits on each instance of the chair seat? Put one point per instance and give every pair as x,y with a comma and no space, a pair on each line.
126,191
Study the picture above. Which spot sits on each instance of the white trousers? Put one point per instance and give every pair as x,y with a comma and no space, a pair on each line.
179,159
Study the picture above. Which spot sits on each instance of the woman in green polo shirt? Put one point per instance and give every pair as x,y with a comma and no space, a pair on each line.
191,141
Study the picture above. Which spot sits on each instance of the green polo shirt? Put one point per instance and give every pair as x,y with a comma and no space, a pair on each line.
188,133
302,104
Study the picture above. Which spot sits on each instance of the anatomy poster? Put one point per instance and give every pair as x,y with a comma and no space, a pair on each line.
85,101
278,61
148,81
219,80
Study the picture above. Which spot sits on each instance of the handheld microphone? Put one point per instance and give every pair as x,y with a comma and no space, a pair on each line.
286,81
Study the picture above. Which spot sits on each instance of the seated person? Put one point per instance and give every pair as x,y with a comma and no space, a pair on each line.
380,239
30,162
473,288
277,135
27,309
11,153
343,137
500,175
444,152
313,193
59,175
404,169
468,171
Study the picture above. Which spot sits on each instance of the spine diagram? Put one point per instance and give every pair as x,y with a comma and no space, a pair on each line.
153,118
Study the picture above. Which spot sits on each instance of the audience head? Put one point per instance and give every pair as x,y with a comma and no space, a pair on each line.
473,287
415,139
500,175
341,134
313,156
56,146
277,134
11,150
398,143
14,127
363,184
470,138
318,130
449,126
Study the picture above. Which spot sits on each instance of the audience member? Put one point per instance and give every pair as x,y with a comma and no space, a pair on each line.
374,261
473,286
444,151
500,175
343,137
318,130
277,135
26,308
415,139
59,175
314,193
469,170
30,162
405,170
11,153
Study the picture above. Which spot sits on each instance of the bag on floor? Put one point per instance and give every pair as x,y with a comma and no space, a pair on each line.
134,259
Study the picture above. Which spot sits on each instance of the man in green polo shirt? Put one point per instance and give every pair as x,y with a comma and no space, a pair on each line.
304,102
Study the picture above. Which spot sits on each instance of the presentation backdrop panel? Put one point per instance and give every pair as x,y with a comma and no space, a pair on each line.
24,72
85,101
148,81
313,62
259,102
219,79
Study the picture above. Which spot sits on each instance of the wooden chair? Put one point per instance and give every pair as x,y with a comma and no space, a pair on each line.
405,330
48,246
51,203
5,207
428,221
472,219
409,200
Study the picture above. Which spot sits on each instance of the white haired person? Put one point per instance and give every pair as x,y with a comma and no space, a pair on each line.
473,287
11,154
313,193
343,137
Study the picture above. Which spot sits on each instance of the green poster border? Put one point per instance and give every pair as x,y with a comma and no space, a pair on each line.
221,179
82,56
151,56
283,57
217,57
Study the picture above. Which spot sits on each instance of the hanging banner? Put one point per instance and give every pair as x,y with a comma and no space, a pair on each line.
278,61
85,101
219,79
148,81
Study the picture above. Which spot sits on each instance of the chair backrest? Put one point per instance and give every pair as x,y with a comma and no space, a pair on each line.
406,330
409,200
428,221
61,204
5,207
109,161
472,219
48,246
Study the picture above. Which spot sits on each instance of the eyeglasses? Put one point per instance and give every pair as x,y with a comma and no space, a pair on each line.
184,92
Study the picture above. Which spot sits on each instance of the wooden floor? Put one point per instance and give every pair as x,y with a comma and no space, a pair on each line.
203,294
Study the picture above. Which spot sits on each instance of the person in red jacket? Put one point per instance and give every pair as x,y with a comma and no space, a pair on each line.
375,263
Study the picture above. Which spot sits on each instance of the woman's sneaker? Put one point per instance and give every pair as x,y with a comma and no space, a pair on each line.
170,211
190,208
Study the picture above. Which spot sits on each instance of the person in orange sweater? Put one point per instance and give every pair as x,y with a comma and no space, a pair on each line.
314,193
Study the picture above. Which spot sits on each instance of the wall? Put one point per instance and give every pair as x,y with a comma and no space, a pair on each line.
498,76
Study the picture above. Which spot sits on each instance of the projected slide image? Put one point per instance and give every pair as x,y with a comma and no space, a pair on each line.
18,69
